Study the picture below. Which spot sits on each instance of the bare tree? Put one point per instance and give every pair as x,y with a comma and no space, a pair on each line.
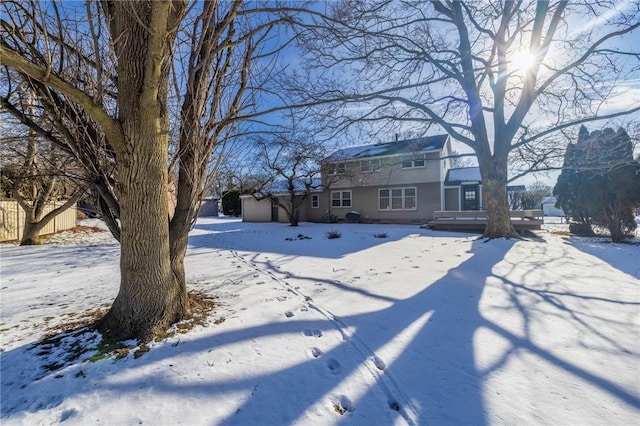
38,176
500,77
214,48
292,163
141,34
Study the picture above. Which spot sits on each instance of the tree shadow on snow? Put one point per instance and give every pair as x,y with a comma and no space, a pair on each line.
307,239
624,257
443,318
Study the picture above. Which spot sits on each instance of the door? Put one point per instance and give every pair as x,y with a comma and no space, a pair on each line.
470,197
274,212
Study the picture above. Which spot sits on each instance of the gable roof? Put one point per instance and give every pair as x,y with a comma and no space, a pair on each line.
300,185
462,174
408,146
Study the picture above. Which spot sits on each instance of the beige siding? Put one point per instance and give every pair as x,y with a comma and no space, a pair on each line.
317,214
256,210
12,218
391,171
365,201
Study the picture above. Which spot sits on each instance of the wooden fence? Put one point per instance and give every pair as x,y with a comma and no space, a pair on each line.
12,220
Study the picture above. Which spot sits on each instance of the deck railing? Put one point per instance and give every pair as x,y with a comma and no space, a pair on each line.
477,219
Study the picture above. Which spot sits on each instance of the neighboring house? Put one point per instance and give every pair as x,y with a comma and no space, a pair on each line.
548,206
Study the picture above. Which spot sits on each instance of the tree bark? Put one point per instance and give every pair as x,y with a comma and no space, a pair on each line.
149,300
494,187
31,233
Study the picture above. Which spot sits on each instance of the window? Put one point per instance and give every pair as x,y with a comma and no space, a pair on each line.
337,169
315,201
470,194
397,199
412,163
370,166
341,199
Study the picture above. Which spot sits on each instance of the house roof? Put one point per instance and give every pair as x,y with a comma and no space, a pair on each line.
463,174
408,146
300,185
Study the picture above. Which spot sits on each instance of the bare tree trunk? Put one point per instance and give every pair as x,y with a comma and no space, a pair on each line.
31,233
494,187
149,299
35,221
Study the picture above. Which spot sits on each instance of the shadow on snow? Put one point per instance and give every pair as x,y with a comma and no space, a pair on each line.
444,317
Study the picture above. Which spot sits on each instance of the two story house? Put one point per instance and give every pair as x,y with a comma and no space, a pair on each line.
395,182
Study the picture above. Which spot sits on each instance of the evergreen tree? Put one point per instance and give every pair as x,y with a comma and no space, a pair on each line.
600,183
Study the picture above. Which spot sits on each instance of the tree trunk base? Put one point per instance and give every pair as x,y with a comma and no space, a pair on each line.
194,311
126,320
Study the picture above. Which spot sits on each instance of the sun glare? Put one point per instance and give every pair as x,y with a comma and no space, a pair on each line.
522,60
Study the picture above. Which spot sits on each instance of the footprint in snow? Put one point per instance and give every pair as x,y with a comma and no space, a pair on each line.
380,365
312,333
343,405
333,365
288,314
314,352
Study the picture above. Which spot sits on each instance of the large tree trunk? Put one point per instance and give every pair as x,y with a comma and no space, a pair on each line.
494,187
31,232
149,299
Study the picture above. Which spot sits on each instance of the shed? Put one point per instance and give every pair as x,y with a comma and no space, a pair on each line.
209,207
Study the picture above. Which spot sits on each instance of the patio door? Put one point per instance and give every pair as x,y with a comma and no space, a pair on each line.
470,197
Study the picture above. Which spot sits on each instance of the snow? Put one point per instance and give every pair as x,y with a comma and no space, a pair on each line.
421,327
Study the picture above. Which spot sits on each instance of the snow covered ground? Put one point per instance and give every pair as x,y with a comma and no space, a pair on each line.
420,327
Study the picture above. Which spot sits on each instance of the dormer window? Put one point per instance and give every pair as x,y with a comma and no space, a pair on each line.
367,166
413,163
337,169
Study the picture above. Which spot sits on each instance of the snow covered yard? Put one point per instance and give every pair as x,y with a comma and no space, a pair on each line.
420,327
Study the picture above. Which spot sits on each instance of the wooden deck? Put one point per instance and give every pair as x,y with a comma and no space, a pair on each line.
477,220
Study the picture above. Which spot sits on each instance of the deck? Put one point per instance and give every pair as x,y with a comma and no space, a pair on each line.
477,220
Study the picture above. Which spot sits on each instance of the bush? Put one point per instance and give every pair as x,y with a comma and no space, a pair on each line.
231,204
333,234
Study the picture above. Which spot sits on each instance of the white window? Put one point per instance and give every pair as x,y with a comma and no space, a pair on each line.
412,163
367,166
341,199
315,201
397,198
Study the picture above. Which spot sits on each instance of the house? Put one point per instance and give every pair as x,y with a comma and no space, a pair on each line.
395,182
